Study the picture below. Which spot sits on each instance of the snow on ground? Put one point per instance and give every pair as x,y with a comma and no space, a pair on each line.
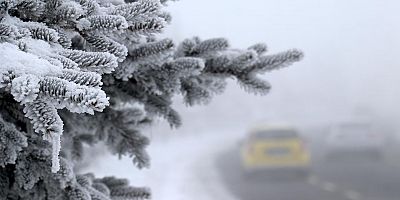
182,167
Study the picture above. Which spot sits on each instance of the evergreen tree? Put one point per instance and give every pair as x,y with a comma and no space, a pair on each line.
80,72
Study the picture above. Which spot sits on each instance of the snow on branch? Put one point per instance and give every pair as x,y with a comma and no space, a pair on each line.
45,119
103,22
100,62
105,44
74,97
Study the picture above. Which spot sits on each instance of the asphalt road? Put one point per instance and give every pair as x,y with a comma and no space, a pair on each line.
334,180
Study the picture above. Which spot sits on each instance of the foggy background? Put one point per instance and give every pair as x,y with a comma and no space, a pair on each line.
350,70
351,62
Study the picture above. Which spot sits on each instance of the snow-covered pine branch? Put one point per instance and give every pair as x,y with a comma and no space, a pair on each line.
76,72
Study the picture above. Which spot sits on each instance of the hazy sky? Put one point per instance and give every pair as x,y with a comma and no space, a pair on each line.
352,55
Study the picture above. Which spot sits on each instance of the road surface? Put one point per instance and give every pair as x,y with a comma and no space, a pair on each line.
346,180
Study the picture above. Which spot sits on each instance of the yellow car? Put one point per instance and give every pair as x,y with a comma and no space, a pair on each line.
275,148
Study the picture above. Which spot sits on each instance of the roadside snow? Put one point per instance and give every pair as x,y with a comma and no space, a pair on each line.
182,168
